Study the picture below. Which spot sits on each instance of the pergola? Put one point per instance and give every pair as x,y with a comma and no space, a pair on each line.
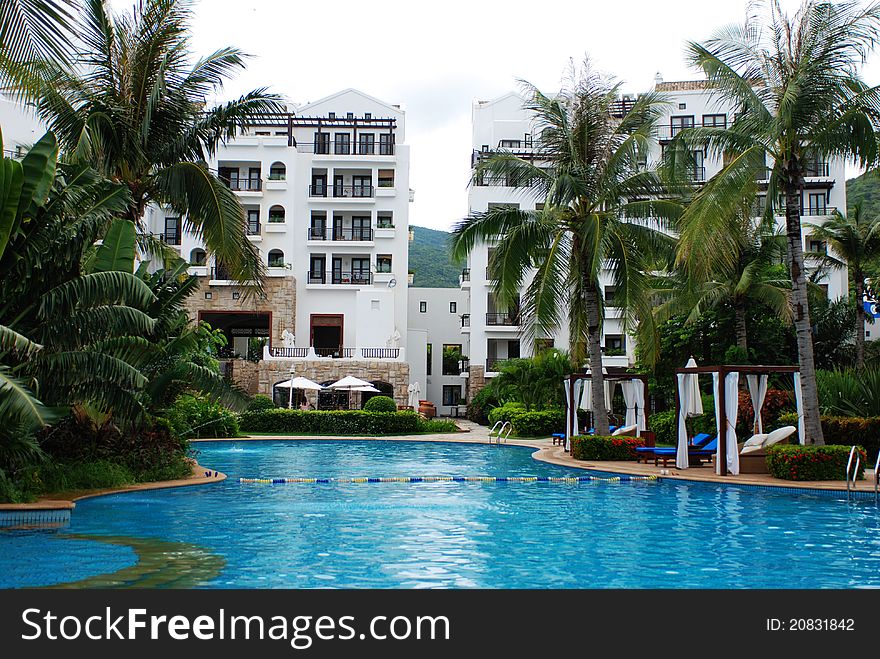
727,407
636,399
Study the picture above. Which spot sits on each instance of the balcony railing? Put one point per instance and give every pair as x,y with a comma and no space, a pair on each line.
243,184
344,234
466,275
464,365
252,229
342,191
508,318
494,363
356,278
810,211
347,149
697,174
811,169
466,320
170,237
220,272
336,352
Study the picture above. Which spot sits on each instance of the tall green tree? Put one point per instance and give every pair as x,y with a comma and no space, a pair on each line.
799,99
856,240
134,106
755,276
590,173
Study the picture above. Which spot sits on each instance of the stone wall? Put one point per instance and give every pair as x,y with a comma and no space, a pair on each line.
393,372
243,374
280,302
476,381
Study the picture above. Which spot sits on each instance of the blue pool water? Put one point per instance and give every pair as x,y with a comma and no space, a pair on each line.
460,535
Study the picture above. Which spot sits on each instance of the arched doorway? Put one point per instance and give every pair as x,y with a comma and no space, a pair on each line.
281,395
332,399
385,389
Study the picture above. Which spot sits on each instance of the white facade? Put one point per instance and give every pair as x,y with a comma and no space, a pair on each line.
326,190
437,314
20,127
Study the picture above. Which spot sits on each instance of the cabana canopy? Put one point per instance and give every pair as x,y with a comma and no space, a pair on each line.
635,394
726,388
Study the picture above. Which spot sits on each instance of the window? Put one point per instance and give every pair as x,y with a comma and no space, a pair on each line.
253,182
322,142
699,169
361,186
349,115
715,120
281,133
510,144
682,106
360,228
172,230
276,258
615,344
236,295
262,133
543,344
824,289
331,115
360,271
385,221
277,172
318,228
383,263
208,295
451,394
198,257
386,144
367,143
677,124
428,365
610,300
253,222
453,307
815,246
386,178
276,215
368,115
423,307
451,357
342,143
816,204
319,185
316,269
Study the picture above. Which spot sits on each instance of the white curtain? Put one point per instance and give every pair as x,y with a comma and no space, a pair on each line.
681,454
568,402
758,391
799,401
731,407
629,397
577,386
716,388
639,397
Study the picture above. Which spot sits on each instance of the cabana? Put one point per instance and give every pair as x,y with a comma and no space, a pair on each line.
635,394
727,407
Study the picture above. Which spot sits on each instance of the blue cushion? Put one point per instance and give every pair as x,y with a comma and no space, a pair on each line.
701,439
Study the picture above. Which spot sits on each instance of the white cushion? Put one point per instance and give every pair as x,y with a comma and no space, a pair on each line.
779,434
756,440
624,430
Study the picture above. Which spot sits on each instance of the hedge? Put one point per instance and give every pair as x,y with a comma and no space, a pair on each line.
811,463
380,404
193,417
847,431
596,447
331,422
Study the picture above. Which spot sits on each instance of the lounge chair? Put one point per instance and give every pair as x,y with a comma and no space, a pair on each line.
647,452
696,454
625,430
753,452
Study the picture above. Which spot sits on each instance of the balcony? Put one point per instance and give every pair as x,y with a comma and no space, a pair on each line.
313,353
465,320
466,275
326,148
340,277
505,319
341,234
244,184
493,364
811,211
464,367
343,191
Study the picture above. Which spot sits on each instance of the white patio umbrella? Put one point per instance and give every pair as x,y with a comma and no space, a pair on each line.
350,383
298,382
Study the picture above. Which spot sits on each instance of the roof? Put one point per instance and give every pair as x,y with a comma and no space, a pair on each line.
391,108
682,85
503,97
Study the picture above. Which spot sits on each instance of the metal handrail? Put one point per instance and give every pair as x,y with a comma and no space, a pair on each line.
855,472
876,476
492,429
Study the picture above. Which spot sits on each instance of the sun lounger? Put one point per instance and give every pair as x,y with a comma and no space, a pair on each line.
696,454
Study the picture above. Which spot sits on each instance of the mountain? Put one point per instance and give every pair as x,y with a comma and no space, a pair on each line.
864,189
429,259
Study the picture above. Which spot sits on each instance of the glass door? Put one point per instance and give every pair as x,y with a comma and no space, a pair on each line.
339,277
360,271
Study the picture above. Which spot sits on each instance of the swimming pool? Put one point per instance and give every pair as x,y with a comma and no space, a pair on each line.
460,535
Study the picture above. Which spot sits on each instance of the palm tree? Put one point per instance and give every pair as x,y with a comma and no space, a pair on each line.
31,30
856,240
799,99
590,173
753,277
133,106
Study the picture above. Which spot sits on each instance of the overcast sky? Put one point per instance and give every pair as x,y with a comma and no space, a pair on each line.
435,59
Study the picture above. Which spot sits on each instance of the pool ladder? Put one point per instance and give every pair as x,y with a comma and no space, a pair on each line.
852,472
501,431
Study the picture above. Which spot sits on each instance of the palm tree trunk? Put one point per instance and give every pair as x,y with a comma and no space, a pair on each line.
597,382
742,339
801,311
859,278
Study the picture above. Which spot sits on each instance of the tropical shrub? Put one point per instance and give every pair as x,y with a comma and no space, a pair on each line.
259,403
850,393
595,447
437,426
326,422
193,417
665,426
505,412
380,404
483,402
847,431
811,463
535,382
538,423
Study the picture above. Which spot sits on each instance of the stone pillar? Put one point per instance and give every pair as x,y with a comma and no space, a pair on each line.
476,381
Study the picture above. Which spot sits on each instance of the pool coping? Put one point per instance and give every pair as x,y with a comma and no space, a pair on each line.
554,454
67,500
